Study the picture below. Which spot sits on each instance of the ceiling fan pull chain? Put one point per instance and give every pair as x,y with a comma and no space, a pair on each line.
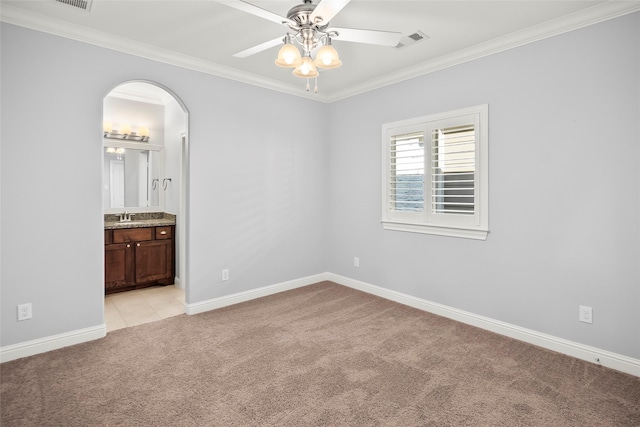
307,85
315,90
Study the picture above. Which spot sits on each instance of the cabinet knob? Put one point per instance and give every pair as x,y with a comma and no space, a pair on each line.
138,244
163,233
128,246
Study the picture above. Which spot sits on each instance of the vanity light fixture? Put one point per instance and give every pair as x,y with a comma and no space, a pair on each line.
125,132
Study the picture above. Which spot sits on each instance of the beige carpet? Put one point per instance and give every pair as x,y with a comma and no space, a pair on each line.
322,355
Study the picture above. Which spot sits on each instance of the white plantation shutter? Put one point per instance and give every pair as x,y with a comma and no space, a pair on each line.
453,165
406,172
435,174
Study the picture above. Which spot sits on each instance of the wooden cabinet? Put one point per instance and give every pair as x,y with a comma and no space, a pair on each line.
118,266
138,257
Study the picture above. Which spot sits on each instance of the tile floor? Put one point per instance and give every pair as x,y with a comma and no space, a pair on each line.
142,306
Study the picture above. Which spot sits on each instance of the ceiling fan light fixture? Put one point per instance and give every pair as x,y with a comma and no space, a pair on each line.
309,24
327,57
289,55
307,69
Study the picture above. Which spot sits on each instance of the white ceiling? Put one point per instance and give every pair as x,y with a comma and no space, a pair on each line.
204,34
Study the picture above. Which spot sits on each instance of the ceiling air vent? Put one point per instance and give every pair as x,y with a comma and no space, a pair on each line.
80,4
411,39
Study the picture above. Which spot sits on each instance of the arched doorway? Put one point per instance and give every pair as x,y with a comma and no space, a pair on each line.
145,175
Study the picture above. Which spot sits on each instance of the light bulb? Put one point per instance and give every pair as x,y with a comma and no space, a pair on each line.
288,56
307,69
327,57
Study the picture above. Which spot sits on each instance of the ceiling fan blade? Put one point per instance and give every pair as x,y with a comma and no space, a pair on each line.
327,9
259,48
382,38
255,10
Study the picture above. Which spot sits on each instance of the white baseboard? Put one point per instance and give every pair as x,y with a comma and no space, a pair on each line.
54,342
591,354
212,304
580,351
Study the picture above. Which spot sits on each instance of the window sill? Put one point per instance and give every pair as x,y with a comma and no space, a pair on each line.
464,233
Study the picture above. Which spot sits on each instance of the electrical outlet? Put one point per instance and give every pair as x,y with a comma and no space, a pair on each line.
586,314
356,262
24,311
225,274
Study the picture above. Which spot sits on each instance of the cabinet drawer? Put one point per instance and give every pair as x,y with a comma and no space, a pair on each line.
132,235
108,237
164,233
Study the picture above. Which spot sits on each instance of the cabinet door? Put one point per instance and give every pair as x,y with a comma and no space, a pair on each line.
118,265
154,260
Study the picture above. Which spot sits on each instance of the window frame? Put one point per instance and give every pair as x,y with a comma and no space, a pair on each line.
475,226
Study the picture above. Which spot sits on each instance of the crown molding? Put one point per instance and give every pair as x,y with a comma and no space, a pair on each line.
593,15
23,18
584,18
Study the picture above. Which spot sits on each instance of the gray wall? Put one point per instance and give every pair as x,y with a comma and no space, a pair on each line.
275,199
564,196
257,197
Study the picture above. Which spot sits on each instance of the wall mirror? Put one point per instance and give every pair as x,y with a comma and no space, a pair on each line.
132,177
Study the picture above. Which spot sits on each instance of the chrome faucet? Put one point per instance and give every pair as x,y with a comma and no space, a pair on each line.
126,216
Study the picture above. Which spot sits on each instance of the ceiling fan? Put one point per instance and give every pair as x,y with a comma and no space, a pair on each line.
309,27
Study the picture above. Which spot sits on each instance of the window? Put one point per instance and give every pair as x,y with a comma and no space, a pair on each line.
435,174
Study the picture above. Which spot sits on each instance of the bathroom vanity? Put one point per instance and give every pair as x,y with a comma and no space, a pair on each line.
139,253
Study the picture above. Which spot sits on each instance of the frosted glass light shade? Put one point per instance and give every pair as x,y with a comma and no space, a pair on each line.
306,70
143,131
327,57
288,56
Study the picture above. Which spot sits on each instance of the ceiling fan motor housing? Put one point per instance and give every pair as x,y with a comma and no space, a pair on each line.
307,30
301,14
